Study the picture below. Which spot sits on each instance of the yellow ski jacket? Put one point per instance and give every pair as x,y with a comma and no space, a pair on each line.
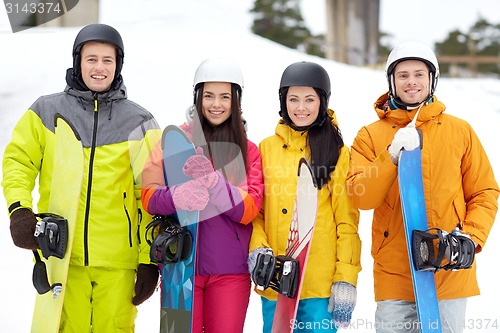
116,135
336,247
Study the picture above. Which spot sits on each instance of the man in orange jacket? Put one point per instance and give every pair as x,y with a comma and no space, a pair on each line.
460,189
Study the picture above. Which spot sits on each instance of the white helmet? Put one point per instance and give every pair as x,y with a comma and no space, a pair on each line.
412,51
218,70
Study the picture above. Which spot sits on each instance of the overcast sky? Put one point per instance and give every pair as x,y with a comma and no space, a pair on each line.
426,21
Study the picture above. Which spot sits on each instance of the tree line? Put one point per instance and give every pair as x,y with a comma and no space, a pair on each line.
282,22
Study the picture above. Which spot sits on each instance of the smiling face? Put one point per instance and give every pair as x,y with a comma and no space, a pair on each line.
302,105
216,102
98,65
412,82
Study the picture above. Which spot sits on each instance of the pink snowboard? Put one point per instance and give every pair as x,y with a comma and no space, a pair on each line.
299,241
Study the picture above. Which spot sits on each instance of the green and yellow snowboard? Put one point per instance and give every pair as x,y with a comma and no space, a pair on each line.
64,199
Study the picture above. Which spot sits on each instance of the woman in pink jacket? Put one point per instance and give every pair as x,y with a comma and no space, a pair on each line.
227,189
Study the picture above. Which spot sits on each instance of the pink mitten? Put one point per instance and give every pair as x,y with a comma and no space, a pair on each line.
190,196
199,167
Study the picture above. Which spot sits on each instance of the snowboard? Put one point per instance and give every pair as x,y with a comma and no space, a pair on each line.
299,241
414,216
64,199
177,279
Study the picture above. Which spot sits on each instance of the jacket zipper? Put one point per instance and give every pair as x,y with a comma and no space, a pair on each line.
89,186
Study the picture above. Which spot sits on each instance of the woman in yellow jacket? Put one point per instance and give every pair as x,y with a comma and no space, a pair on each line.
459,187
309,129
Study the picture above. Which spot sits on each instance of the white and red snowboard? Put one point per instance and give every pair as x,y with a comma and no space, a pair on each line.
299,241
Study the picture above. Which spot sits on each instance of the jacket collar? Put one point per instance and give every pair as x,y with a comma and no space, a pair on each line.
294,138
106,96
87,98
77,88
428,111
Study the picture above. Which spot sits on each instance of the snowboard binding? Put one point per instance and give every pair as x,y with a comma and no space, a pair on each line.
169,241
52,235
264,270
455,248
281,273
41,280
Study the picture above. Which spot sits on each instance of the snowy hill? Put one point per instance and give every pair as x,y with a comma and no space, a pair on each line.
165,40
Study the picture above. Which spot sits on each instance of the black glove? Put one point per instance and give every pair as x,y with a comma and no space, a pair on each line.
22,228
145,284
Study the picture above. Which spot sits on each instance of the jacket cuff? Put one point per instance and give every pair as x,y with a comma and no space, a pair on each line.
18,205
144,258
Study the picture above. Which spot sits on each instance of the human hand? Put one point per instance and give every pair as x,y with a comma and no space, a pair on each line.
191,195
252,257
406,138
342,302
145,284
460,249
199,167
22,228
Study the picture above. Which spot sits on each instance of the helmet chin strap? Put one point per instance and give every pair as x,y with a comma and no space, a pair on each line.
410,107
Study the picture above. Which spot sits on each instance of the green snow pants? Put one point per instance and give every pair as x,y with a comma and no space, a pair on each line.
99,300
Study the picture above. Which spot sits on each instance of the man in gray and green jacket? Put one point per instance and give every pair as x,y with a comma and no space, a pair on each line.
110,270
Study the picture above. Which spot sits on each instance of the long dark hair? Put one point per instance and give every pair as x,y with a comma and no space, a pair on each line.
324,138
225,142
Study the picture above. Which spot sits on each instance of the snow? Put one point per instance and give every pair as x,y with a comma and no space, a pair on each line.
165,40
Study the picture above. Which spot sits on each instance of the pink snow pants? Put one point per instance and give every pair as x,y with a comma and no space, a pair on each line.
220,303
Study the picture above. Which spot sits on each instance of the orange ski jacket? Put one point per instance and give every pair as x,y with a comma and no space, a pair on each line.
459,187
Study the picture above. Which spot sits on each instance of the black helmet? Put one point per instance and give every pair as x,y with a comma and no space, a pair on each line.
307,74
98,33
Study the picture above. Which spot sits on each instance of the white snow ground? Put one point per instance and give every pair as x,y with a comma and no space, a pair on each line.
165,40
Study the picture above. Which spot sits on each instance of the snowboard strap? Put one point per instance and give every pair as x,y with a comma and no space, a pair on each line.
286,279
281,273
168,240
264,270
40,279
458,250
52,235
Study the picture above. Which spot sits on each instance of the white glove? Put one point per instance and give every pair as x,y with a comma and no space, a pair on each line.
406,138
341,303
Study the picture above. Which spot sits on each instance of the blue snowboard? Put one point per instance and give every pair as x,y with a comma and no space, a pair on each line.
177,279
414,215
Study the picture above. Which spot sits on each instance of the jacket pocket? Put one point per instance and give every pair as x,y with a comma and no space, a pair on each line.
381,232
239,241
139,212
129,220
460,209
